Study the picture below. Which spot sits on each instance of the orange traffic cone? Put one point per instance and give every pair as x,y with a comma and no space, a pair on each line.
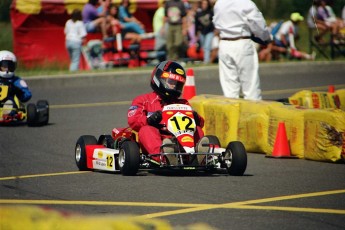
331,89
189,90
281,147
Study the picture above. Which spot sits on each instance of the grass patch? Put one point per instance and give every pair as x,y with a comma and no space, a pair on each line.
6,37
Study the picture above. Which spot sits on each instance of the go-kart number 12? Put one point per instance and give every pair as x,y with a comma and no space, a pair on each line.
110,160
182,123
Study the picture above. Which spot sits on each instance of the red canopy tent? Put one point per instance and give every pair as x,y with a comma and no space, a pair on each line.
38,37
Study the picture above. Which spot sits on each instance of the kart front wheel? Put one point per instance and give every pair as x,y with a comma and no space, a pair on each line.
129,158
235,158
80,150
31,114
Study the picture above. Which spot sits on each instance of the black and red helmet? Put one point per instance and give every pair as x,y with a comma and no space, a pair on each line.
168,79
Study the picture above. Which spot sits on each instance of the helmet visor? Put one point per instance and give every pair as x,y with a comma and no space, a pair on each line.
7,65
173,81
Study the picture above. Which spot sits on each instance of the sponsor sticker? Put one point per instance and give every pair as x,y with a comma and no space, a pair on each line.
180,71
132,110
173,76
23,84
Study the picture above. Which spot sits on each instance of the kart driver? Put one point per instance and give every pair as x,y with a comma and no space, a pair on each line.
16,85
145,113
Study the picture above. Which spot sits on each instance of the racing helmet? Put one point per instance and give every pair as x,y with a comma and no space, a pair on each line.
7,60
168,79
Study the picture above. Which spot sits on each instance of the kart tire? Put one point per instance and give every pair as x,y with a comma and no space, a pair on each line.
129,158
80,150
31,111
43,112
235,158
107,141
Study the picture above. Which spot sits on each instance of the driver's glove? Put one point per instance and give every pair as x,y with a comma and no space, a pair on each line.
155,118
196,118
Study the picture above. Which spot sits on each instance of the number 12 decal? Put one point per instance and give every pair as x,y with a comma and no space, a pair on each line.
110,160
183,123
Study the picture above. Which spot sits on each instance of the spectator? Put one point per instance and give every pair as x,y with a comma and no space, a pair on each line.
238,21
326,14
215,47
205,28
192,41
103,6
191,10
159,28
175,16
129,22
314,22
75,33
117,26
286,35
93,20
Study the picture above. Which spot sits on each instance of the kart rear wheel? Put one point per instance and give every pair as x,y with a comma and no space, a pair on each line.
129,158
80,150
31,114
235,158
43,112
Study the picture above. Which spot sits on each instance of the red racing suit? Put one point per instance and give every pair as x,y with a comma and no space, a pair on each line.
150,138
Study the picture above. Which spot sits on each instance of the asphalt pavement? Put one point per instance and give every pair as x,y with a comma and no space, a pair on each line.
37,166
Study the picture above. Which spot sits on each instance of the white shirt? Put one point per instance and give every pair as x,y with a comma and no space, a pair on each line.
74,31
239,18
312,14
287,29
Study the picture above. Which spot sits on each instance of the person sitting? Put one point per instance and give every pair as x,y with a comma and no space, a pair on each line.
117,27
93,20
315,23
145,113
327,15
129,22
286,35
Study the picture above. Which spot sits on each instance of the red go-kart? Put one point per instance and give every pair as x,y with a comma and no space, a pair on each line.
120,151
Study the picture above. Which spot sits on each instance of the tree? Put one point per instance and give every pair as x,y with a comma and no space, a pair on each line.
5,10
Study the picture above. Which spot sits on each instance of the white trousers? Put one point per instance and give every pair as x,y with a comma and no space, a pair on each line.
239,69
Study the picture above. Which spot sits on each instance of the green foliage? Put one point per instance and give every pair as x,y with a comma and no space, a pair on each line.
5,10
6,36
283,8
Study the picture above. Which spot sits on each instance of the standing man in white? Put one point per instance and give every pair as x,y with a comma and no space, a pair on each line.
240,22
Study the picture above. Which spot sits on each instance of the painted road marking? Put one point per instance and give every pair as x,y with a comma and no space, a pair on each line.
188,208
90,104
42,175
246,205
115,103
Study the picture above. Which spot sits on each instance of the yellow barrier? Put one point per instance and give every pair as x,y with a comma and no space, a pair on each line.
37,218
319,100
324,134
315,134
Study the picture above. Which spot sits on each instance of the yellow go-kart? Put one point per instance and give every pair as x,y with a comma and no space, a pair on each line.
13,111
